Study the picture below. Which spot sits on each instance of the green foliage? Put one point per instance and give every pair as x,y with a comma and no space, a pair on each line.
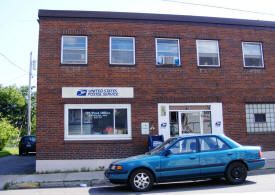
9,151
14,107
7,131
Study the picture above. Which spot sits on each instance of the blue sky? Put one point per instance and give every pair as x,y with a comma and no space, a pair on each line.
19,27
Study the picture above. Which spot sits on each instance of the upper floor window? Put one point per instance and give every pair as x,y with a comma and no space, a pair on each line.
208,53
74,50
122,50
167,51
253,54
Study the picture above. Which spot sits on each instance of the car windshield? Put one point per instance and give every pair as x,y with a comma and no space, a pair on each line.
164,145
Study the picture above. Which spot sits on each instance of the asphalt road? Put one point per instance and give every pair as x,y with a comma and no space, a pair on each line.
255,185
16,165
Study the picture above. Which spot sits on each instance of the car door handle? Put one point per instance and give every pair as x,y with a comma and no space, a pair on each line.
229,154
192,158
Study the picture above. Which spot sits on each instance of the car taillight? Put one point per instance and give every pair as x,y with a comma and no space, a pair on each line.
260,154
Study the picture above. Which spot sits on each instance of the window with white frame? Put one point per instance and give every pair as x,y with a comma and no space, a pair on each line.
122,50
74,50
260,118
97,121
253,54
167,51
208,53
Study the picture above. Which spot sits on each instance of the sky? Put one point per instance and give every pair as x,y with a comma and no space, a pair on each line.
19,28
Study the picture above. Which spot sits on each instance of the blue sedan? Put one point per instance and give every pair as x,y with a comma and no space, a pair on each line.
184,158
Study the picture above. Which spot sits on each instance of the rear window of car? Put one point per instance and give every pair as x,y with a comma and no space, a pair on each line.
212,143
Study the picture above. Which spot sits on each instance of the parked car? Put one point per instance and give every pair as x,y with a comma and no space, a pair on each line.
27,145
184,158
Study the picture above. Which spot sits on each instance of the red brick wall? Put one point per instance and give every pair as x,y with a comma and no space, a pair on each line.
231,84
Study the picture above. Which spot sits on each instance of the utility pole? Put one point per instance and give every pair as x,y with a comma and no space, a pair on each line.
29,96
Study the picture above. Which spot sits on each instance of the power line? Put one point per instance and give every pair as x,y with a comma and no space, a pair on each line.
12,63
220,7
16,78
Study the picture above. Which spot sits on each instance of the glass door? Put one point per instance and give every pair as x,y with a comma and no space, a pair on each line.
190,122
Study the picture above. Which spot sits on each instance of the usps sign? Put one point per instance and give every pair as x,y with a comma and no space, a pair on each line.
97,92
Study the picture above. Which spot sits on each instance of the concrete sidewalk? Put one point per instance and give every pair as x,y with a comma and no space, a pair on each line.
97,177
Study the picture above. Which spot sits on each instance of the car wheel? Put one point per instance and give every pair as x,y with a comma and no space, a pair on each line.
141,180
236,173
20,153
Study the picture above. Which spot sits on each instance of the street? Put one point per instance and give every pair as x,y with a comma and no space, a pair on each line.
258,184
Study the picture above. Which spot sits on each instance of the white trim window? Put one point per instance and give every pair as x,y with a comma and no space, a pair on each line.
253,54
122,50
97,121
74,50
208,53
167,51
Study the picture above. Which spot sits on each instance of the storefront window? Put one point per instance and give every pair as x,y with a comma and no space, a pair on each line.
74,122
121,121
90,123
98,121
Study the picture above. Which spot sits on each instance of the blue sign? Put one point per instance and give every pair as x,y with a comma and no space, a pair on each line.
97,92
81,92
218,123
163,125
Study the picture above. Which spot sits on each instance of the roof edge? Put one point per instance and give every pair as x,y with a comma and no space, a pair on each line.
42,13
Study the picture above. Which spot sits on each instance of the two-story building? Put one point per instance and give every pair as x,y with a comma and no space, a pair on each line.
106,80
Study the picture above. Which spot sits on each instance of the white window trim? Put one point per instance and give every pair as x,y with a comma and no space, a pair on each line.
96,137
86,42
134,51
156,43
261,46
198,58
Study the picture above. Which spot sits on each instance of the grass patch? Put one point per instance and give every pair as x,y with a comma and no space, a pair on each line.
9,151
23,185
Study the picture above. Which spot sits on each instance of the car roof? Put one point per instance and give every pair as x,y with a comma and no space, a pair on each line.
201,135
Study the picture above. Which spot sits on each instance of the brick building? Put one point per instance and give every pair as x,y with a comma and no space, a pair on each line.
106,80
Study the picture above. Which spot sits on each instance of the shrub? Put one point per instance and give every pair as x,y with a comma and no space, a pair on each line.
7,131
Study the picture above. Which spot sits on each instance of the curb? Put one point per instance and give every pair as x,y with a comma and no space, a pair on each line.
60,184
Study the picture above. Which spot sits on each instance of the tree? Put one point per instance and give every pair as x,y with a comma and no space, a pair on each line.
14,107
7,131
12,104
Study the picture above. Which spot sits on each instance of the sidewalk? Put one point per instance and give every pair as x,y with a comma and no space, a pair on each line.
97,177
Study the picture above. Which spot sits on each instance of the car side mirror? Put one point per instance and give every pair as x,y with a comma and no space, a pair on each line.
168,152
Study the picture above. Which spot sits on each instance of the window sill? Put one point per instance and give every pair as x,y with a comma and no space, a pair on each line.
123,65
208,66
124,141
97,138
253,67
73,64
168,66
260,133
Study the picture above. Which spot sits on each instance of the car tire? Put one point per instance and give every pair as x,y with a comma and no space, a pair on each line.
20,153
141,180
236,173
